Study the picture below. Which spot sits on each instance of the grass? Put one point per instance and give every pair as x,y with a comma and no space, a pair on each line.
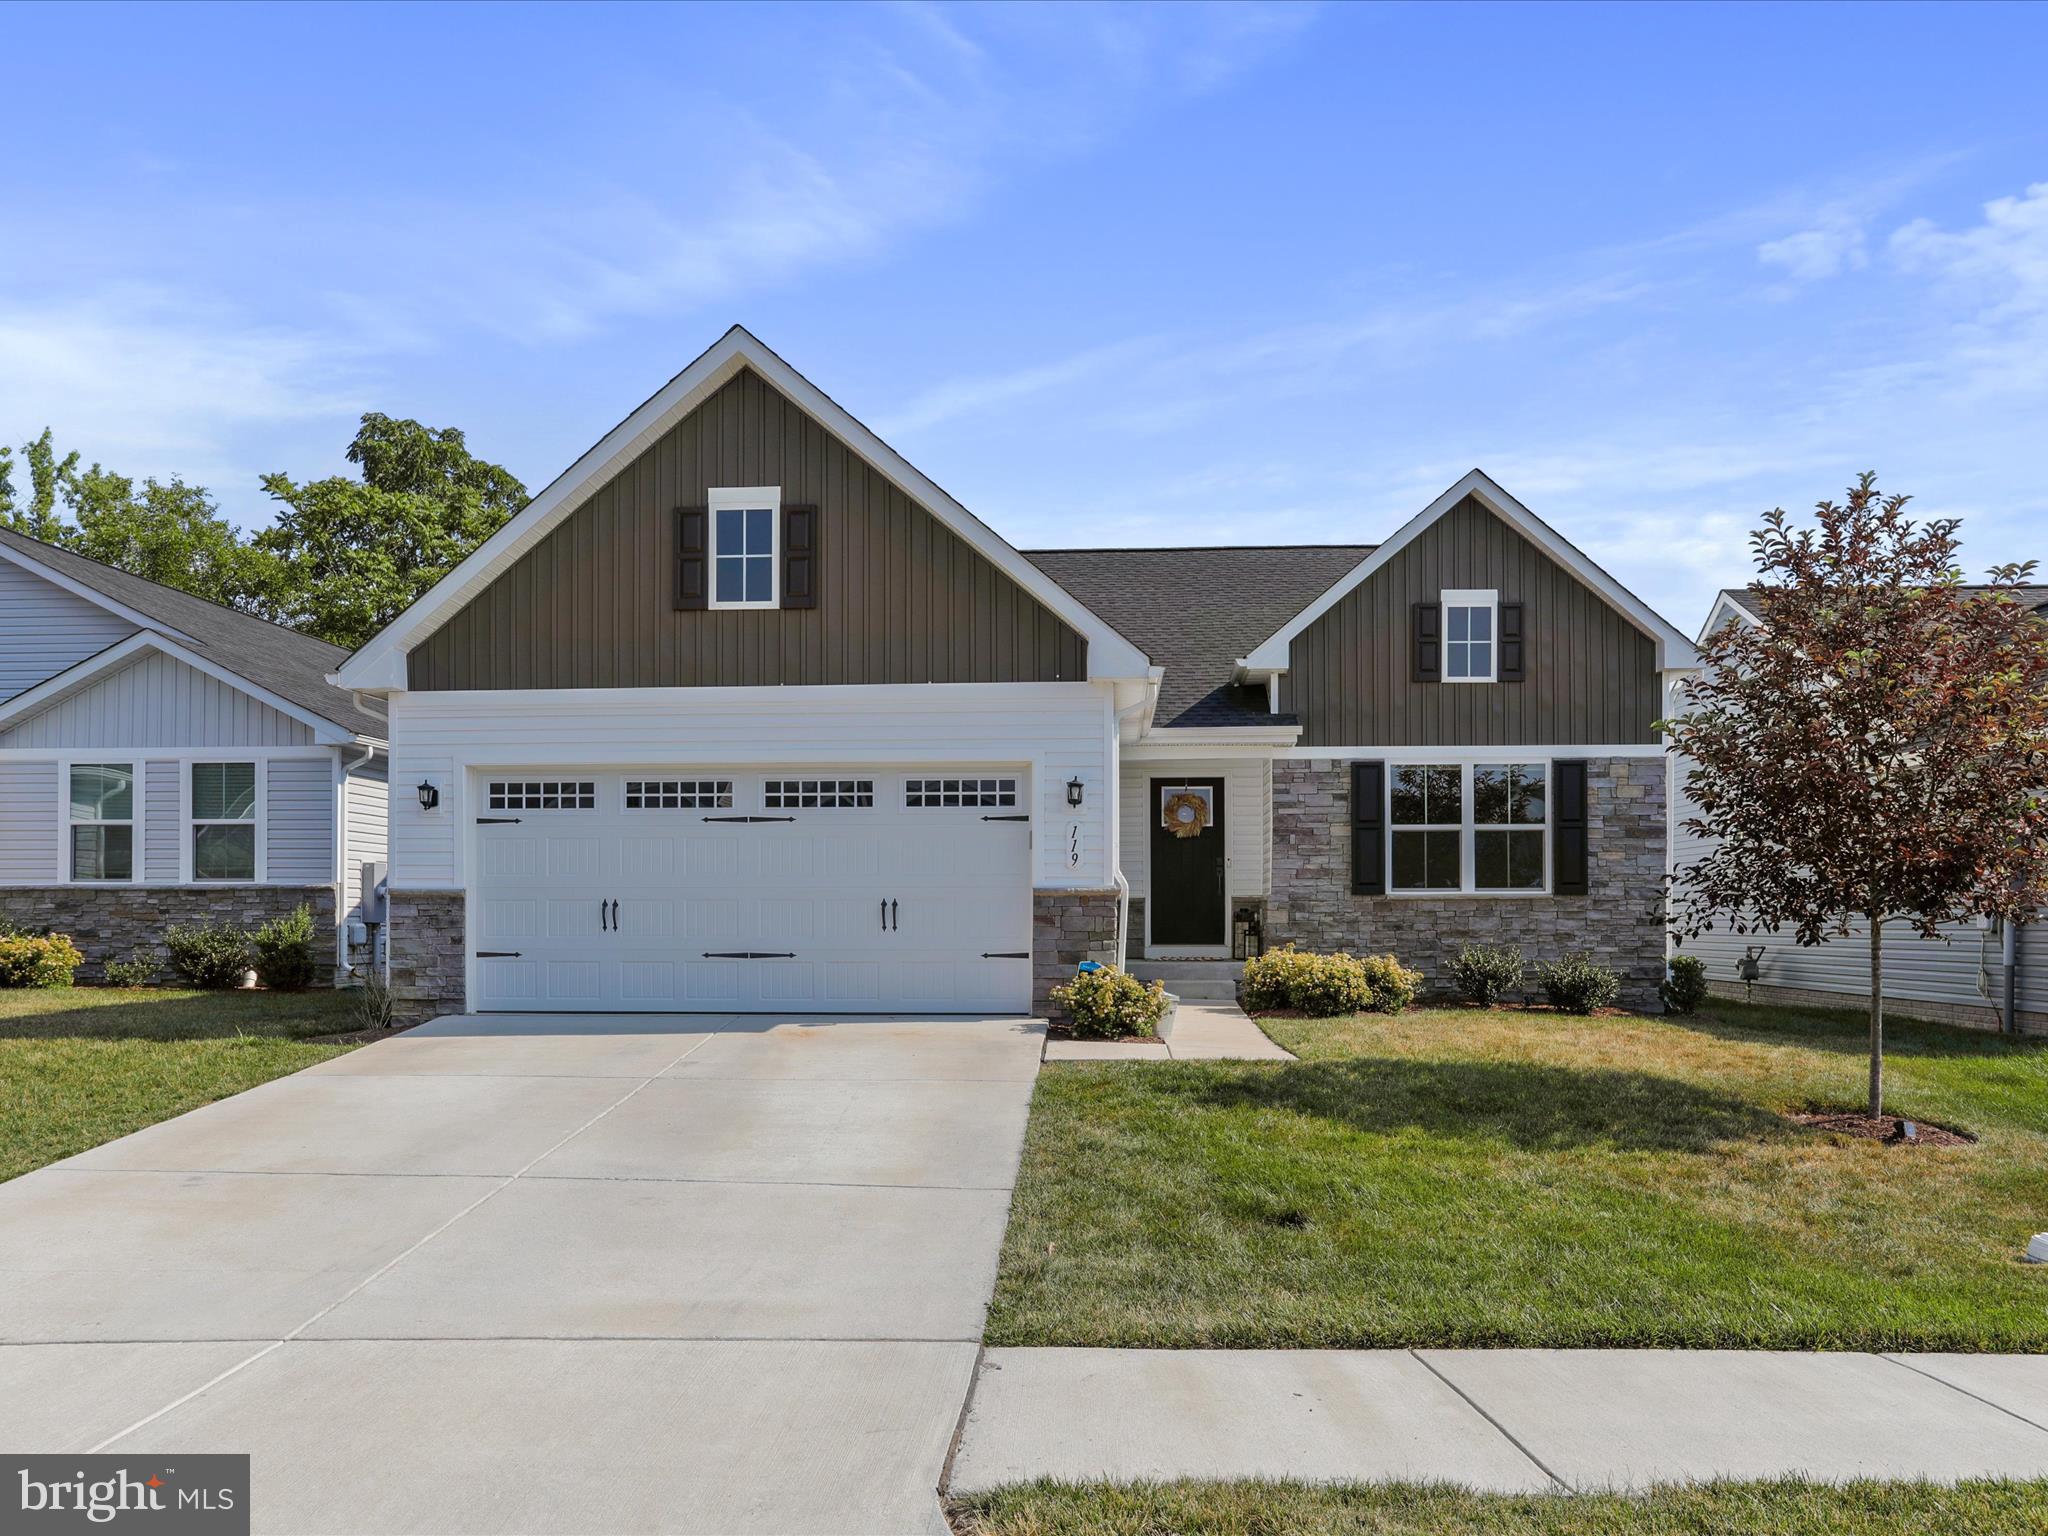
1454,1178
84,1065
1301,1509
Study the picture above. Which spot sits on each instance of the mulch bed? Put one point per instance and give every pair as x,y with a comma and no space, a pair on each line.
1883,1128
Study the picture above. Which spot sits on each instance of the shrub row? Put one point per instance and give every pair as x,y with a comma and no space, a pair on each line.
214,955
1326,985
1485,973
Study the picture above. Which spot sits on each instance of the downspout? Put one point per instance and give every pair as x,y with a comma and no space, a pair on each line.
343,968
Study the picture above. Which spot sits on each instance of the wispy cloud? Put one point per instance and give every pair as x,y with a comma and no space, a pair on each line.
1826,250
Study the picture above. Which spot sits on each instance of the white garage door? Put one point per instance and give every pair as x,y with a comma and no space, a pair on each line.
760,892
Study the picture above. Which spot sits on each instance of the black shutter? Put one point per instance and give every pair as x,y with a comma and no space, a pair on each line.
1426,647
693,568
1513,648
1368,829
800,557
1568,857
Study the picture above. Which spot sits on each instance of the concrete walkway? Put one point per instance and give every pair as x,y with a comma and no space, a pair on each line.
1507,1420
1198,1031
541,1274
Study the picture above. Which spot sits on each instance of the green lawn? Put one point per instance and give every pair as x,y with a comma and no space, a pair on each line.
1297,1509
1452,1177
87,1064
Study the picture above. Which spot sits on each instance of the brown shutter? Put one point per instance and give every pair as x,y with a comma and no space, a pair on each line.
1426,648
1368,829
800,557
1513,648
693,568
1568,856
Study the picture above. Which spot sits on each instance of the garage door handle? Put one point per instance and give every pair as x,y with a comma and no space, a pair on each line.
892,917
615,916
885,914
602,921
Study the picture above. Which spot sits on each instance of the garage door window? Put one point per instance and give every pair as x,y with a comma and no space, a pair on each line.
934,794
679,794
543,795
820,794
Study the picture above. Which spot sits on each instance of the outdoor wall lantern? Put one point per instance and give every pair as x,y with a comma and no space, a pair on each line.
429,795
1074,792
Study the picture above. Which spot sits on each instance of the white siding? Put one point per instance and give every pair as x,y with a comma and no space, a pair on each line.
368,811
44,629
300,836
163,828
1058,730
157,701
28,822
1247,819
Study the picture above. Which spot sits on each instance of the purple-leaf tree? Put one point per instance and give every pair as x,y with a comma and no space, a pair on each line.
1875,748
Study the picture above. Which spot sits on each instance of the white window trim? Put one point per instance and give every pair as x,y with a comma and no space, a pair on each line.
188,855
1472,597
136,800
1468,844
736,498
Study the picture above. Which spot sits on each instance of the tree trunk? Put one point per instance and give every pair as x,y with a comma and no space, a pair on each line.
1876,1015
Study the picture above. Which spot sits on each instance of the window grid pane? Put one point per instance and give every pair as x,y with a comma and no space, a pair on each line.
820,794
102,791
934,794
104,852
679,794
224,851
223,791
543,795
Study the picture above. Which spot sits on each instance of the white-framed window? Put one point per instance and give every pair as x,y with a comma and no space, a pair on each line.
223,821
542,795
101,819
746,545
943,793
1426,825
1471,636
820,794
679,794
1473,827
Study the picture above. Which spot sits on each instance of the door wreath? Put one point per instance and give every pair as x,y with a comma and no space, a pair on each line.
1186,813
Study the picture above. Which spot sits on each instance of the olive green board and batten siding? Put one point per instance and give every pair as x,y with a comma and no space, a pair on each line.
1591,675
902,598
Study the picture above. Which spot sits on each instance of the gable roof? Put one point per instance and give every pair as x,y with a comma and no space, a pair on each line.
381,662
274,660
1195,611
1742,603
1674,650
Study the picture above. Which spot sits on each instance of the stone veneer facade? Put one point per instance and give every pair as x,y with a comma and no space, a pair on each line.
427,950
110,922
1068,927
1620,921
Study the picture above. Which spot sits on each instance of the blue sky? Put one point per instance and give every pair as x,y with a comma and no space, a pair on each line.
1112,276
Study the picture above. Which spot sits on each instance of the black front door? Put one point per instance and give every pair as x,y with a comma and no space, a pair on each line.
1188,903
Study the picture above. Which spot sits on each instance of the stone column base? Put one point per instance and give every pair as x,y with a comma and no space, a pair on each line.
1068,927
428,946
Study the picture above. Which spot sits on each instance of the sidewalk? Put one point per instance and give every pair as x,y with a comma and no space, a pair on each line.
1507,1420
1198,1031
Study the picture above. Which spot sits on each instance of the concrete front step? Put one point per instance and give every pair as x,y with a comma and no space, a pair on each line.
1221,990
1170,971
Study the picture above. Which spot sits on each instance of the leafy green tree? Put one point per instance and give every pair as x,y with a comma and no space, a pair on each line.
47,477
169,532
353,554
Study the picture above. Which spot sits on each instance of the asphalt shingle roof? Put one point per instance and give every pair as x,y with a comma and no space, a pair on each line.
291,665
1195,611
2033,597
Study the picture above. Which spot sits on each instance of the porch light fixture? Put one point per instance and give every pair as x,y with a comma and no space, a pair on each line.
1074,792
429,795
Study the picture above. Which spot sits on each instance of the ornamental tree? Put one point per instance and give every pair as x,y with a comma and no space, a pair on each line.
1875,748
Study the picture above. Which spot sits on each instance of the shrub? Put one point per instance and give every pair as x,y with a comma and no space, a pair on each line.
140,969
1108,1004
284,951
1685,987
30,960
214,955
369,1005
1392,985
1330,985
1579,984
1274,979
1483,973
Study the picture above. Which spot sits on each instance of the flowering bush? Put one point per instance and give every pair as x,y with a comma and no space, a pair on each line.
1391,984
1108,1004
1326,985
1274,979
38,960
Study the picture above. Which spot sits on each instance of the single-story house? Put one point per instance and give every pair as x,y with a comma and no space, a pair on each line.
1958,977
165,760
744,713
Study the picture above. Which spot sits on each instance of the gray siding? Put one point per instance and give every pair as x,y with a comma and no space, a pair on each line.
902,599
157,702
44,629
300,836
28,822
368,837
1591,675
163,827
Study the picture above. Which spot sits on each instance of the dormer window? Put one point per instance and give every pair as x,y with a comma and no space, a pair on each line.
744,546
1471,636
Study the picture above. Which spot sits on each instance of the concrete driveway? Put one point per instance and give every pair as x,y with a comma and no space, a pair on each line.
541,1274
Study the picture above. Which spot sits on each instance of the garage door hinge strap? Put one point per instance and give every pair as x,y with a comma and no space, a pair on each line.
750,818
497,821
749,954
1006,818
497,954
1005,954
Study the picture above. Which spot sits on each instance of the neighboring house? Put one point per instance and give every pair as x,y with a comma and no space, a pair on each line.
745,713
165,760
1959,976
